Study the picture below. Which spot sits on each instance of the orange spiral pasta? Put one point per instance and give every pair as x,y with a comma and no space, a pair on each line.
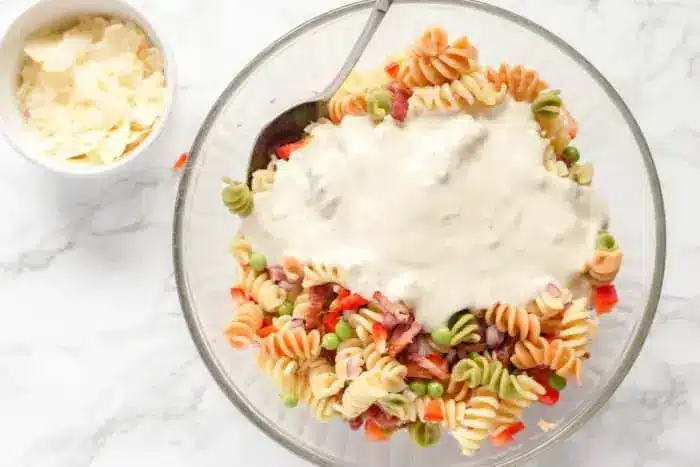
522,84
471,92
346,103
516,321
604,267
554,355
294,343
240,332
433,61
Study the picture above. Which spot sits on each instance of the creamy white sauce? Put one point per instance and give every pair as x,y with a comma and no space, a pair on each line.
446,212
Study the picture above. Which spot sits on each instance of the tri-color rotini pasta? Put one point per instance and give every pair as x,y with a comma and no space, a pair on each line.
368,360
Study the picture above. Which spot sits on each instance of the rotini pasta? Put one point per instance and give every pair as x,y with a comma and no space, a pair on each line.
362,322
279,369
294,343
453,411
465,329
241,249
345,103
433,61
510,411
516,321
470,93
318,274
575,327
604,267
554,355
258,284
392,372
522,84
478,421
480,371
237,197
323,379
263,179
361,394
240,332
349,359
458,390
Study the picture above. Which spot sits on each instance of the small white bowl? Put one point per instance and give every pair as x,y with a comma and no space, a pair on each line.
45,13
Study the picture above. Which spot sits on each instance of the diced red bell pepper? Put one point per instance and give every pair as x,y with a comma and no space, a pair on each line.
551,397
605,298
506,435
239,294
392,69
374,432
351,302
355,423
379,333
541,375
434,412
267,321
342,294
181,161
285,151
331,320
266,331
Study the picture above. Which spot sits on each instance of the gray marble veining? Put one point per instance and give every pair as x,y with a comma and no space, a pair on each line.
96,366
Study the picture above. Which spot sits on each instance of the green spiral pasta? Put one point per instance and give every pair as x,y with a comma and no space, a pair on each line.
379,104
464,329
237,197
547,104
479,371
424,434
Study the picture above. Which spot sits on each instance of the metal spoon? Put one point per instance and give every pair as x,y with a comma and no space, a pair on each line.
289,125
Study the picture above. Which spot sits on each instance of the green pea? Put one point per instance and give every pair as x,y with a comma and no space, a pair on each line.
290,400
343,330
435,389
606,242
331,341
571,155
473,355
442,335
418,387
258,262
286,308
557,382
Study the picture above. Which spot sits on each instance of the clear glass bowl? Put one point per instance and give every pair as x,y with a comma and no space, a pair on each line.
300,64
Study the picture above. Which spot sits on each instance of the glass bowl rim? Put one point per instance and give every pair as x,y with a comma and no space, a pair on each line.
195,328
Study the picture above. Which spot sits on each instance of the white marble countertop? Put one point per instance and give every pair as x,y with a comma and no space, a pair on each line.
96,365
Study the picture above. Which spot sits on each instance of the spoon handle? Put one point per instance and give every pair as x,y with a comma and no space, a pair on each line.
381,7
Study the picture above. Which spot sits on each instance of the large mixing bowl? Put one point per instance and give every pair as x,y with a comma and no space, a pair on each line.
302,63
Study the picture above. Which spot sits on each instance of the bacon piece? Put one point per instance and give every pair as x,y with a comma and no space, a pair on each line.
276,273
395,313
318,295
402,336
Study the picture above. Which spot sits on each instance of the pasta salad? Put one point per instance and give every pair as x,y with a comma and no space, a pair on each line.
396,268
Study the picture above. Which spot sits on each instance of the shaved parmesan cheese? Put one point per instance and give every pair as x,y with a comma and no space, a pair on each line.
92,91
